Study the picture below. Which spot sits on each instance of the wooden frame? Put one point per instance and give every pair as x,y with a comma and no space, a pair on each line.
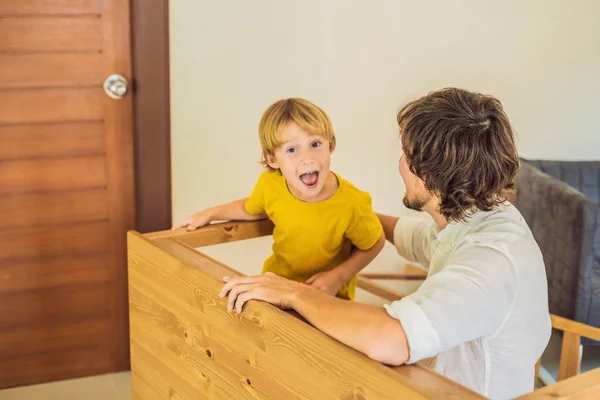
185,344
151,84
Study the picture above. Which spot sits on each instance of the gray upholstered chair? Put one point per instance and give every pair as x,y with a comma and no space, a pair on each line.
564,222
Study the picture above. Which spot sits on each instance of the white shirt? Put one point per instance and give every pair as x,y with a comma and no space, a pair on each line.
481,317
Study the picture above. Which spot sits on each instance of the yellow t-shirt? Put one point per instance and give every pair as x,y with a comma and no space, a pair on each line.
314,237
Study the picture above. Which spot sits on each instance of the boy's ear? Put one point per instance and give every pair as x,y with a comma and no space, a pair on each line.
271,161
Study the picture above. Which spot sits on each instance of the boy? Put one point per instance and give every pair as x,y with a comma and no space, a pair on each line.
318,216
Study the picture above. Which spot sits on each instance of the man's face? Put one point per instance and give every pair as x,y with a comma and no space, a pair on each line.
416,195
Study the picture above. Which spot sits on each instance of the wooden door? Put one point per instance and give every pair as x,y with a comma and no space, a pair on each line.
66,189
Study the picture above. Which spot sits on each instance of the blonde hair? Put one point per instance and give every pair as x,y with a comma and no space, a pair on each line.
303,113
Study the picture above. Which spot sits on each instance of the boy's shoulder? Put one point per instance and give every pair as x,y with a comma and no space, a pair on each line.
270,178
351,192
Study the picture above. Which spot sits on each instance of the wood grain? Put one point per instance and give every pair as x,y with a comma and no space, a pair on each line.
19,275
52,174
118,120
378,289
51,105
25,34
45,208
51,337
20,7
570,356
224,232
52,140
60,304
568,325
581,387
35,70
176,308
52,241
91,359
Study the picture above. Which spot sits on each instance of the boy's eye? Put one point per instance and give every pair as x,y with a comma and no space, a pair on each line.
316,144
291,150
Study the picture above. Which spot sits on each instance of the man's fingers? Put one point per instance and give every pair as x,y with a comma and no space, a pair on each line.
243,298
236,292
233,281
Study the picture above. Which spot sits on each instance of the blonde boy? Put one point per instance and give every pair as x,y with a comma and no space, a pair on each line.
325,229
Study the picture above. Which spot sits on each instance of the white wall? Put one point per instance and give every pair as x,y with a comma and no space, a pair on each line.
360,61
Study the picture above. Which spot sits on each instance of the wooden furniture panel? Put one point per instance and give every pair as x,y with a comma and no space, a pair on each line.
25,7
52,140
56,271
45,208
33,34
185,344
52,174
64,69
51,105
184,341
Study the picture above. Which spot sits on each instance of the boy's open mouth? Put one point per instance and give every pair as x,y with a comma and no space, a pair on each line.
310,179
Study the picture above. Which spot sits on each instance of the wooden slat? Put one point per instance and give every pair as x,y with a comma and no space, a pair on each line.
378,290
53,305
35,34
218,233
33,274
52,174
52,241
568,325
34,70
51,337
51,105
570,356
20,7
51,140
585,386
62,207
45,367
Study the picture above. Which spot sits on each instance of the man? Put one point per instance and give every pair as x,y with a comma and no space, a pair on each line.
481,317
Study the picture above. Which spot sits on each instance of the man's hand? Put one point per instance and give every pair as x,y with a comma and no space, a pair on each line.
267,287
329,282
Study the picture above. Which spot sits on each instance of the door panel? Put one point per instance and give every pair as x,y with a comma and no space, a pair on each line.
52,140
76,7
28,34
35,70
66,189
49,174
27,106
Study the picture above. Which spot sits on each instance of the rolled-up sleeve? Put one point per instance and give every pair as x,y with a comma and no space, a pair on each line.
469,298
413,239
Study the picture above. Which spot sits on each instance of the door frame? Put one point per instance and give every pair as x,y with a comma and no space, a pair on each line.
152,114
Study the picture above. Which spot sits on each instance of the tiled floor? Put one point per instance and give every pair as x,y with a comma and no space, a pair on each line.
246,257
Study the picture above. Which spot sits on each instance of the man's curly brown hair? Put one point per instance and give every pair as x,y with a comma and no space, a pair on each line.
462,146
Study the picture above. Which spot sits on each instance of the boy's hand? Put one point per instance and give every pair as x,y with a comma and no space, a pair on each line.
329,282
195,221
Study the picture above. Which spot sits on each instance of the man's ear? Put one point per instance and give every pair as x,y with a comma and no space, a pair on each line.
271,161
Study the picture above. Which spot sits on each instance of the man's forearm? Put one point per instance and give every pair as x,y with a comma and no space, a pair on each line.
388,223
366,328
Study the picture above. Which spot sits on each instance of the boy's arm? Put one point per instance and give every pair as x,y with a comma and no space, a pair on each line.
231,211
359,259
331,281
